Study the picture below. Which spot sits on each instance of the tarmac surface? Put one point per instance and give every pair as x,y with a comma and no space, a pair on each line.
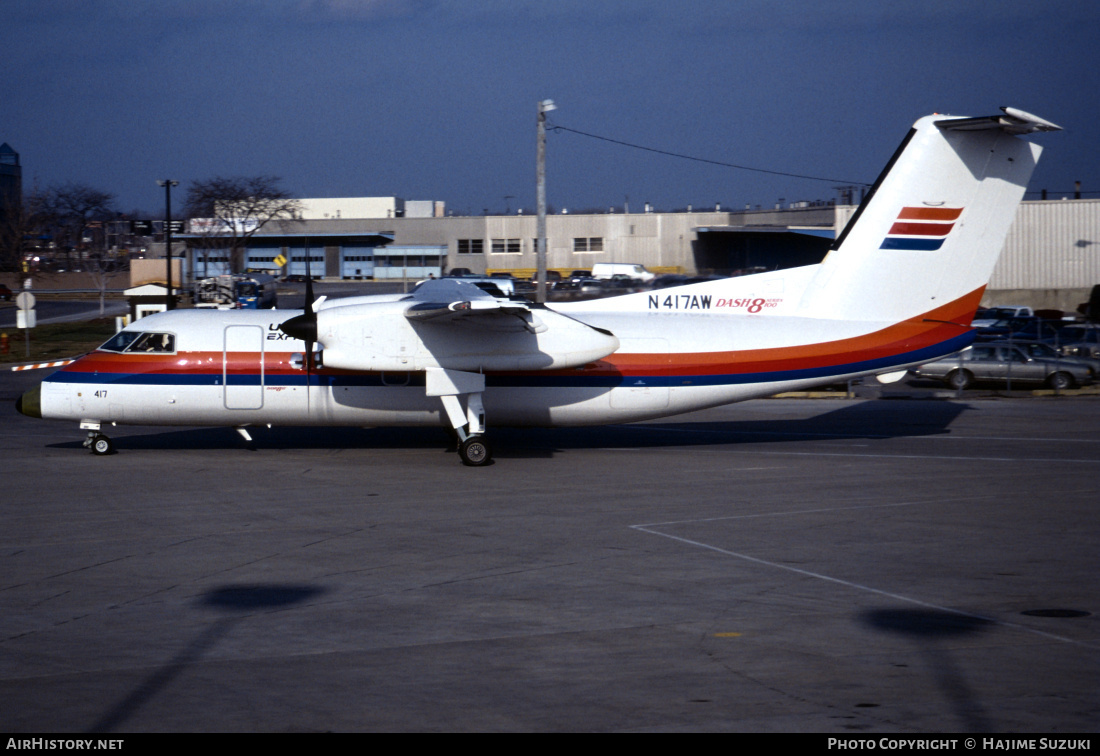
839,566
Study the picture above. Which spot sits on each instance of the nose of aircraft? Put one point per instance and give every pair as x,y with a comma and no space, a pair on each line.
30,403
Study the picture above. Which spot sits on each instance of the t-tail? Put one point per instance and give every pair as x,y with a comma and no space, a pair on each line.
924,242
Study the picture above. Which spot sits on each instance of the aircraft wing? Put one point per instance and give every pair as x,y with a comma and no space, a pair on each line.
451,300
453,290
470,308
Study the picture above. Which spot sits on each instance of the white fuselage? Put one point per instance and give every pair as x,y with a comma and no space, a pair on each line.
681,350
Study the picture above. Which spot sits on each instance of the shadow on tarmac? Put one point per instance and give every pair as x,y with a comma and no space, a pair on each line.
863,420
932,630
236,602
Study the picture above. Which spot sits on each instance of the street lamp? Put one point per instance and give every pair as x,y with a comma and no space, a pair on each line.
545,106
168,184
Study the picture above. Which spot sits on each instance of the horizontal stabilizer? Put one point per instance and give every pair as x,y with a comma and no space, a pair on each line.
1014,121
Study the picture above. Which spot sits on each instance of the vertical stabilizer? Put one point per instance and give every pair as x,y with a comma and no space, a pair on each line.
933,226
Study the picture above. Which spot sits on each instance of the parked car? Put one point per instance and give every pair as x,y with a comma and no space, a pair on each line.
1005,327
987,316
1032,329
624,281
5,293
1000,363
631,270
1080,340
1045,351
669,279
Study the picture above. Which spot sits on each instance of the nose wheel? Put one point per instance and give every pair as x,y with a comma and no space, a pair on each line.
100,444
475,451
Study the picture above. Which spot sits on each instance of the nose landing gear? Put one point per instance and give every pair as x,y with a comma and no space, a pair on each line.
99,444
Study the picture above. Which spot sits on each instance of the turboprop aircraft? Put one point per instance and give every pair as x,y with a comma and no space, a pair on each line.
898,288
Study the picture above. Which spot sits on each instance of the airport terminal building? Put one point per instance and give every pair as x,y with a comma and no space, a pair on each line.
1051,257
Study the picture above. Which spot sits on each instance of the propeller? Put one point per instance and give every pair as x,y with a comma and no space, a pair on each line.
304,327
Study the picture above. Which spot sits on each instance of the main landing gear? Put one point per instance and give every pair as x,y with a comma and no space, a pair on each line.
475,451
461,393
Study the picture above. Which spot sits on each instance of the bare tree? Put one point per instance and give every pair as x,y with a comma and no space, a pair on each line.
69,209
20,222
226,212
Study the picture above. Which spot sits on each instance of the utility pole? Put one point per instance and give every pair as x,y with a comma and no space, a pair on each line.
545,106
168,184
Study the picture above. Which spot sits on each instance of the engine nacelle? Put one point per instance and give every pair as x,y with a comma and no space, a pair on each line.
380,337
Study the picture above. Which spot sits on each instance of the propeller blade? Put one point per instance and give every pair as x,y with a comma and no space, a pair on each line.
309,286
304,327
311,329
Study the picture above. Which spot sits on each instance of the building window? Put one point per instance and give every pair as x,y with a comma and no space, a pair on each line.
588,244
506,247
471,246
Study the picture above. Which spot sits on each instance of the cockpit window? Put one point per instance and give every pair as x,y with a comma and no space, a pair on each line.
120,341
135,341
154,342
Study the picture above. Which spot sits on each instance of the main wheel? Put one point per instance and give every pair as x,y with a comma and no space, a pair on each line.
102,445
475,451
1060,381
959,379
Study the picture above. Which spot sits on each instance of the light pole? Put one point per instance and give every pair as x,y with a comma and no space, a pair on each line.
168,184
545,106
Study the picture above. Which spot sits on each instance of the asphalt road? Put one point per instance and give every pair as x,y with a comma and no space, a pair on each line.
63,311
781,565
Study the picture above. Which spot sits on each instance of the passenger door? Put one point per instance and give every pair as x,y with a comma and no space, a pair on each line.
243,367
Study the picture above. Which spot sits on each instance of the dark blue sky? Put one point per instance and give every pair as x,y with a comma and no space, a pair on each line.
435,99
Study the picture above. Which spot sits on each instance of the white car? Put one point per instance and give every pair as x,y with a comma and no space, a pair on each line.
605,271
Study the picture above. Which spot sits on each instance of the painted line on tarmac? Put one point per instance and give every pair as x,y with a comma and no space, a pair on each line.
817,510
861,587
934,437
852,455
946,457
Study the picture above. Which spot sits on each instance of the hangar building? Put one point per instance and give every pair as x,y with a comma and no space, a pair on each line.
1051,257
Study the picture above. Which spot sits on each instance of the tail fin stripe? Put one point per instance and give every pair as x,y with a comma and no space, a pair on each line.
930,213
921,229
917,245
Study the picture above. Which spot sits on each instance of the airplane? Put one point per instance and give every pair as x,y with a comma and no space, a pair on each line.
898,288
